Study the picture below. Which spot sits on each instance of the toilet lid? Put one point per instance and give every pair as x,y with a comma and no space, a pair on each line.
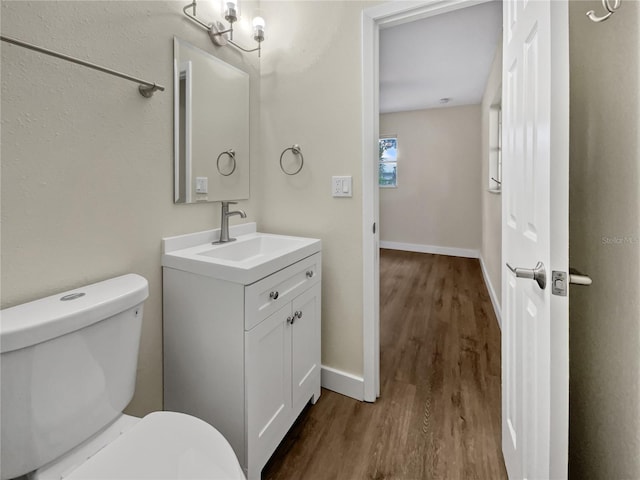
164,445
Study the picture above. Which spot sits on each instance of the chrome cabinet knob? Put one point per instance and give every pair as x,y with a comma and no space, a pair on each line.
290,320
298,314
310,273
274,295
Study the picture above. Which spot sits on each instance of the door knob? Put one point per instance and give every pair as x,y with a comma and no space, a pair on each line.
538,274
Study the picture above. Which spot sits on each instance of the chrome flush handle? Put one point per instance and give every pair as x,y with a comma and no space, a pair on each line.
538,274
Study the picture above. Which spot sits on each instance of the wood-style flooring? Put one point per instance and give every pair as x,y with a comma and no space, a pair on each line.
438,415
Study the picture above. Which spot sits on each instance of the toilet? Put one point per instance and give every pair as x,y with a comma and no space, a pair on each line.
68,369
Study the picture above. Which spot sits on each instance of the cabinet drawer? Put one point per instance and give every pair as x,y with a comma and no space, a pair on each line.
266,296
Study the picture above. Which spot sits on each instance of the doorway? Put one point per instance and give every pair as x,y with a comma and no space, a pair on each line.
374,18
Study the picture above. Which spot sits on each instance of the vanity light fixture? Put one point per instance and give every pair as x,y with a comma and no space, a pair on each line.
222,36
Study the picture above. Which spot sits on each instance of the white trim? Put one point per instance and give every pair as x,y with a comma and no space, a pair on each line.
342,382
492,292
394,13
435,249
387,14
370,208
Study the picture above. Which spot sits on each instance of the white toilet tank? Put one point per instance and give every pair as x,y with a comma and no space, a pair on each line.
68,369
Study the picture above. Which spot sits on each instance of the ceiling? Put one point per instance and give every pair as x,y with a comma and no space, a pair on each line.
444,56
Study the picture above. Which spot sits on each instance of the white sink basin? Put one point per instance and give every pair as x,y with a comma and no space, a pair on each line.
246,260
250,248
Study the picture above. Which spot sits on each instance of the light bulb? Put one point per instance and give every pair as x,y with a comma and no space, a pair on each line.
258,29
230,10
258,22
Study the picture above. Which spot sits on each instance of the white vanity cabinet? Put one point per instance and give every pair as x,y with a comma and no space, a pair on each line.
282,364
245,358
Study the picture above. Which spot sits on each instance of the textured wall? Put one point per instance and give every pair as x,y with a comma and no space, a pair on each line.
605,243
87,163
491,203
437,201
311,95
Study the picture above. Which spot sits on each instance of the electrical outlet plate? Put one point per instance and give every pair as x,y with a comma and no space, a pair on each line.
341,186
202,185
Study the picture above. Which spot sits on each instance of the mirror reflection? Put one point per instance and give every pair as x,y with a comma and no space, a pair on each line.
211,127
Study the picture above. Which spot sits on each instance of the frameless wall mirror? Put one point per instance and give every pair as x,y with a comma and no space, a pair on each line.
211,127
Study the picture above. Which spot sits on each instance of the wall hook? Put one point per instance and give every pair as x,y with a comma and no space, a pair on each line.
609,5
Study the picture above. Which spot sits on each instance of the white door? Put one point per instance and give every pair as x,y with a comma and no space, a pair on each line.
535,203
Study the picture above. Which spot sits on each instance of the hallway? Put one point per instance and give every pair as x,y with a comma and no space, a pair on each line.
438,416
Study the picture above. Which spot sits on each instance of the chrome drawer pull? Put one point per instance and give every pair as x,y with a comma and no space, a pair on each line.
274,295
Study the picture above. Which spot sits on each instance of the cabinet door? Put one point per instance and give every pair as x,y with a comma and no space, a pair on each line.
306,346
268,384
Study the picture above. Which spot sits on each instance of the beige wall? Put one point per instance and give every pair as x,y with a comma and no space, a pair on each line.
437,202
311,95
87,163
491,251
605,243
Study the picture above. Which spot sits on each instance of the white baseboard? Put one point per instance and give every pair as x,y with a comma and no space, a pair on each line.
435,249
342,382
492,293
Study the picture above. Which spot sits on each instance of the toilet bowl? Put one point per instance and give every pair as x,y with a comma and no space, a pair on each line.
162,445
68,371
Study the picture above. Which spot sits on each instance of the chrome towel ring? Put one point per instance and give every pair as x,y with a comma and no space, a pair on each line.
296,150
232,155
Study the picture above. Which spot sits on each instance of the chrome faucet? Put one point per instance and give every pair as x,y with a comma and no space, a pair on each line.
224,221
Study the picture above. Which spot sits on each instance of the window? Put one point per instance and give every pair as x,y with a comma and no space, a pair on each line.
388,161
495,148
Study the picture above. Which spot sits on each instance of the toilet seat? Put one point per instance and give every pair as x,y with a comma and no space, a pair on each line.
164,445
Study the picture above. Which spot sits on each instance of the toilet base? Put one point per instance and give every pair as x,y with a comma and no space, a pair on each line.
63,465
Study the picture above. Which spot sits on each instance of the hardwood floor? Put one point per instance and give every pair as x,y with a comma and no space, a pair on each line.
438,415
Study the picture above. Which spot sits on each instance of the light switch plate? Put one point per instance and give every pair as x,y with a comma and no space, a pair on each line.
341,186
